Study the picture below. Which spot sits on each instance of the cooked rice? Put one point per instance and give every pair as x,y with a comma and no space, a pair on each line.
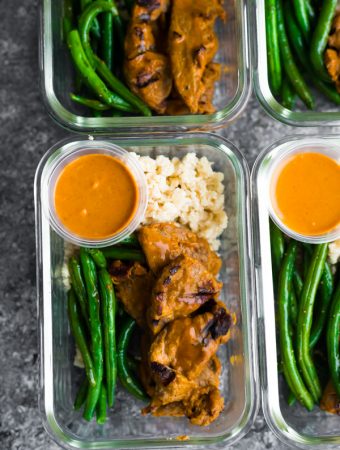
187,191
334,252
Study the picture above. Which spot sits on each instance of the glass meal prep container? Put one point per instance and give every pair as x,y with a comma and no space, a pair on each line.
293,425
59,378
231,91
325,113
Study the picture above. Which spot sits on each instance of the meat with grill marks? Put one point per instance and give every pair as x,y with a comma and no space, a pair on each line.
164,242
186,345
147,69
133,285
197,399
181,288
192,46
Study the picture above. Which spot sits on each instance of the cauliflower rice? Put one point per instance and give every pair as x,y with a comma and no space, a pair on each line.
334,252
187,191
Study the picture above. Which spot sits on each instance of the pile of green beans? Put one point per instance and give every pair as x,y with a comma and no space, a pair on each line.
94,319
308,307
92,27
296,34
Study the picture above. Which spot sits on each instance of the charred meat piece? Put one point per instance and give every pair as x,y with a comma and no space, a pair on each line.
149,76
334,37
140,39
182,287
186,345
163,242
149,10
133,285
181,388
176,106
147,70
204,406
198,399
211,74
192,45
330,401
332,63
332,53
145,374
175,409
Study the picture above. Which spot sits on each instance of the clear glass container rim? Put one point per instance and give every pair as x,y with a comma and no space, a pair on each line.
248,306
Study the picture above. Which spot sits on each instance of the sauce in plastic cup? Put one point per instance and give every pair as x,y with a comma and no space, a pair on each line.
70,153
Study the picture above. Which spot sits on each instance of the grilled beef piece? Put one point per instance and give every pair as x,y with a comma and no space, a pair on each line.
182,287
133,284
164,242
187,344
197,399
332,53
146,67
192,46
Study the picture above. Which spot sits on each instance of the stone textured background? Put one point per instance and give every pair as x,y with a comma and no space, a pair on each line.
26,132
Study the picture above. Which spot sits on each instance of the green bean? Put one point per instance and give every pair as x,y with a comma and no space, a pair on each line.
126,377
301,13
310,11
101,406
298,283
67,17
277,250
320,38
327,90
293,307
95,28
301,51
104,71
333,337
79,337
124,254
320,315
107,42
109,306
78,285
277,244
273,49
305,320
117,86
324,294
291,371
131,241
291,70
287,94
90,103
90,276
98,257
81,394
91,78
84,4
86,20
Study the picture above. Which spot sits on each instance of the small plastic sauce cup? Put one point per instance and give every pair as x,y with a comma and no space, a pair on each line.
69,153
279,162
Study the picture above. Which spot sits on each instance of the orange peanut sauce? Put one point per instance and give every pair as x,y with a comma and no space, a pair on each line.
305,193
95,196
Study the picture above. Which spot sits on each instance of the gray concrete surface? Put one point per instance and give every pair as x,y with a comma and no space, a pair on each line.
26,132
